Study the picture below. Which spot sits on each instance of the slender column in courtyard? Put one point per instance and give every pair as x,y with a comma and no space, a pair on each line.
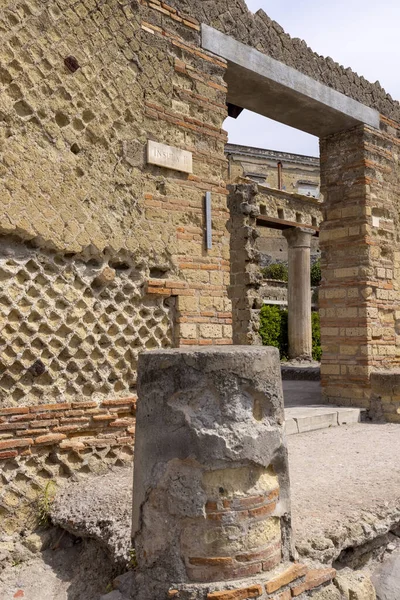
299,292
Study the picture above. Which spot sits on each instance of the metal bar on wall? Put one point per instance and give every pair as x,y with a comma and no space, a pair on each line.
208,221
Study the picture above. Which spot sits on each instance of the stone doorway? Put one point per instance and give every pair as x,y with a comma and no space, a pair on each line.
357,301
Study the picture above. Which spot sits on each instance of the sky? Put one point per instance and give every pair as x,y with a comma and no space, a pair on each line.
361,34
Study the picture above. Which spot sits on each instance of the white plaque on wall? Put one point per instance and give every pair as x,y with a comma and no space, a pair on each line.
169,157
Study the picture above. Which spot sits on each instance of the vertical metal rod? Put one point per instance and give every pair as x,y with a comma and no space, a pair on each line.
280,178
208,221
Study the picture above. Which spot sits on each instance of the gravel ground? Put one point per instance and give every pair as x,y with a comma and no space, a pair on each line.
345,491
349,477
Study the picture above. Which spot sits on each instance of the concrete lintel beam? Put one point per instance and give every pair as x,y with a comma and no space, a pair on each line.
270,88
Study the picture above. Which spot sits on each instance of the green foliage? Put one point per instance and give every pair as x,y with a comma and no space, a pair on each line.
316,336
276,271
274,330
132,564
316,273
45,501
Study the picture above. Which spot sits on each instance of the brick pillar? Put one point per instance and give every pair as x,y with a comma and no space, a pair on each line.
299,292
245,270
359,291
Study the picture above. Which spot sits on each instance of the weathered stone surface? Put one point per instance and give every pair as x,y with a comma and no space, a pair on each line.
101,510
24,479
299,293
70,295
330,592
211,488
386,579
355,585
115,595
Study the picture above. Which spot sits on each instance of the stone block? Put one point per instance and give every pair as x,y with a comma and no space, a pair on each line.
208,515
291,427
355,585
313,422
346,416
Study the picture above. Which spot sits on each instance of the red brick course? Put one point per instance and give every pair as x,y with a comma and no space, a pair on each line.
253,591
287,576
67,425
314,578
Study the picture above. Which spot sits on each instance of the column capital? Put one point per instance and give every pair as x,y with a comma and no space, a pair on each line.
298,237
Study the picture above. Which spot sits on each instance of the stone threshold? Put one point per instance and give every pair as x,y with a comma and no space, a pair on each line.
301,419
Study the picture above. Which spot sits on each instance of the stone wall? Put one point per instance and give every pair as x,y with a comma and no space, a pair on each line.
251,208
85,88
101,254
261,32
262,167
46,444
74,325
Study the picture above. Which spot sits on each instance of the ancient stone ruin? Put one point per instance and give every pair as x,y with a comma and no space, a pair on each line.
211,499
121,232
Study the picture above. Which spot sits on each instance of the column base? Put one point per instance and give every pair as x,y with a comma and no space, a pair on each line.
289,580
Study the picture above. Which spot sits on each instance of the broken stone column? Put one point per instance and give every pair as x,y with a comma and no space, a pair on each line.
211,507
299,292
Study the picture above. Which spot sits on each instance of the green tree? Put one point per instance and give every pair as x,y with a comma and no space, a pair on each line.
316,273
274,328
316,336
276,271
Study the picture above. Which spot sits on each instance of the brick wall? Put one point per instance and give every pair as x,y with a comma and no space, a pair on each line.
261,32
86,85
360,288
82,98
74,425
49,443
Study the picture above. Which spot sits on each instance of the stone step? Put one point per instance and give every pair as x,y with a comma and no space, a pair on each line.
300,419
